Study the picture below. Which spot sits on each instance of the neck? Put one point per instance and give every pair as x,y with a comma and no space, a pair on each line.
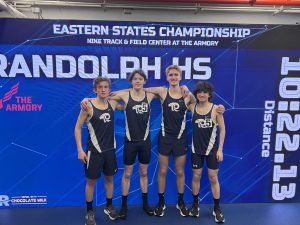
203,104
101,100
137,91
174,87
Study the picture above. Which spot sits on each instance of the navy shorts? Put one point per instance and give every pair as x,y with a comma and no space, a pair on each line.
100,162
168,146
142,149
198,161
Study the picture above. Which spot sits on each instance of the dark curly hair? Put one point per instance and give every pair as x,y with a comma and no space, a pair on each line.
203,86
140,72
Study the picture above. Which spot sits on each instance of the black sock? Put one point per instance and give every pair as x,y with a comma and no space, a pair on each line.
145,198
195,197
89,206
180,198
108,202
216,203
161,198
124,201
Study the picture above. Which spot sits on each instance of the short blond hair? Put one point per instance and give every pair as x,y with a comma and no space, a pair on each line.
175,67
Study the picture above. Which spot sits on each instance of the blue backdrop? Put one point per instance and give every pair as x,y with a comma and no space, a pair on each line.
47,67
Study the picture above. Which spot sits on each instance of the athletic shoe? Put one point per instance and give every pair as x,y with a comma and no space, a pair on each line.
219,217
194,212
90,218
123,213
110,211
148,210
182,209
160,210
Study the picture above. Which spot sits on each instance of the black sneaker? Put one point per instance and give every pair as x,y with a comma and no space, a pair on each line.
123,213
160,210
148,210
90,218
219,217
194,212
182,209
110,211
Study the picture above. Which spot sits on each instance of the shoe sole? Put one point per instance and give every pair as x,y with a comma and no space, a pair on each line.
177,206
190,214
217,221
163,212
107,213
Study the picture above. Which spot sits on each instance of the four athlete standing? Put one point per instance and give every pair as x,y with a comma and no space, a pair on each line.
172,140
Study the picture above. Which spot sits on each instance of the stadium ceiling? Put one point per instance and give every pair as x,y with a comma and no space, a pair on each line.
16,7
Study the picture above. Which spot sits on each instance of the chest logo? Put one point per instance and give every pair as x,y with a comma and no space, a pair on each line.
140,109
204,123
105,117
174,106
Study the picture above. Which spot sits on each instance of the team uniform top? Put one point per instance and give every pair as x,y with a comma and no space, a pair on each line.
204,133
173,121
137,114
101,129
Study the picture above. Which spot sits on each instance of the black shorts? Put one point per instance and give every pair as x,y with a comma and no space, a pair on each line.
168,146
198,161
140,148
100,162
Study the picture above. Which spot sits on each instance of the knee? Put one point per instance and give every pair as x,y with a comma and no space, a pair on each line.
91,182
196,177
127,175
143,174
213,179
180,173
163,172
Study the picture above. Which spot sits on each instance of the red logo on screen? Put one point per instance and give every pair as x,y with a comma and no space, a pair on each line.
7,96
19,103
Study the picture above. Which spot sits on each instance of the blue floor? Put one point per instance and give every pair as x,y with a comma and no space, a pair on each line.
235,214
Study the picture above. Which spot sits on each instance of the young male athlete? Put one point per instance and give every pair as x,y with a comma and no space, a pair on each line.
100,152
173,136
206,146
137,138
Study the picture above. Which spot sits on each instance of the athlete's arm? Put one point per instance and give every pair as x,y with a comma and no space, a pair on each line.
221,123
191,107
150,96
121,96
84,104
220,109
83,115
120,107
159,91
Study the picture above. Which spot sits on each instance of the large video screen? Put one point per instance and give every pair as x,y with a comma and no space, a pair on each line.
47,67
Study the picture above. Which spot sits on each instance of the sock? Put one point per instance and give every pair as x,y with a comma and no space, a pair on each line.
124,201
216,203
180,198
161,198
145,198
108,202
89,206
195,197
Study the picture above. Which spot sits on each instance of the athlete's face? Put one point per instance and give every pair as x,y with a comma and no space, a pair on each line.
173,77
102,89
137,81
202,96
